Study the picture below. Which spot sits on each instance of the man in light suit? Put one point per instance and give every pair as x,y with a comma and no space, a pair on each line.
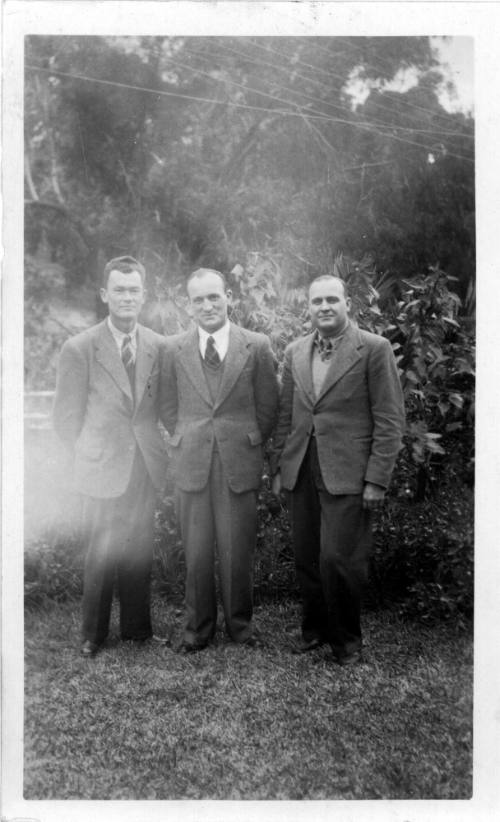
221,403
106,412
339,431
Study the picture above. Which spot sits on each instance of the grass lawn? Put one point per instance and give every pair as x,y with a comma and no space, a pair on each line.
143,722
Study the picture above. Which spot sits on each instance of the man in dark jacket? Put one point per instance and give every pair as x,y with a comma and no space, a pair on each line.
339,431
221,398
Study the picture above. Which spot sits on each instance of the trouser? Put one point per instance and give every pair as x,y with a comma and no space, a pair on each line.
331,541
119,534
212,520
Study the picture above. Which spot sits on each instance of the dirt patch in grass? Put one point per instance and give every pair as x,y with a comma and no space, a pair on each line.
143,722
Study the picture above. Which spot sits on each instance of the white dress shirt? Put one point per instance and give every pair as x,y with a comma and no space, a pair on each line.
119,336
220,338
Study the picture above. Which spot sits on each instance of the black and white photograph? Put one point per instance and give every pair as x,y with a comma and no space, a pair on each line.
245,500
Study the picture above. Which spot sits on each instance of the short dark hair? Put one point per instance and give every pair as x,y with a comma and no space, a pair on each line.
124,264
200,272
331,277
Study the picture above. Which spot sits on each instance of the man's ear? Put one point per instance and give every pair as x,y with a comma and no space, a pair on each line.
104,295
229,296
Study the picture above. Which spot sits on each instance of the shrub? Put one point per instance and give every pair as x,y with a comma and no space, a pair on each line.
423,556
423,551
168,566
53,567
274,563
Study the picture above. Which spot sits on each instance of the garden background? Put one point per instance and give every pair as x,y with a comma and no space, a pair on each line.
274,160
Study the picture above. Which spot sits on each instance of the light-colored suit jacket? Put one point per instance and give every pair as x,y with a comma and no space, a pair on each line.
238,422
95,414
357,419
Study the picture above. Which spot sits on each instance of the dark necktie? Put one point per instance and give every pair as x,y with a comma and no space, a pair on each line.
211,355
325,347
128,358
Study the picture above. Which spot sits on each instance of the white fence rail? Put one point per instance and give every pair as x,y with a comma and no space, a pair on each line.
37,410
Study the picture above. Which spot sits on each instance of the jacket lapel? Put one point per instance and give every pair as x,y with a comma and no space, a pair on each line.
189,357
236,357
343,359
106,353
302,367
145,358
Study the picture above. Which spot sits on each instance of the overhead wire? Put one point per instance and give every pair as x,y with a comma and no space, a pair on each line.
311,112
332,87
298,111
318,69
377,66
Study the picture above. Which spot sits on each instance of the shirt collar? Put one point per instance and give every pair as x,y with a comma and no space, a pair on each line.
120,335
325,346
221,336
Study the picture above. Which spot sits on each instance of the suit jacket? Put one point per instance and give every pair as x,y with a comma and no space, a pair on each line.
239,420
357,419
95,414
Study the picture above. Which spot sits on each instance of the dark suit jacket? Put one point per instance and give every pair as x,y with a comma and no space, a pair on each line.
238,422
95,414
357,419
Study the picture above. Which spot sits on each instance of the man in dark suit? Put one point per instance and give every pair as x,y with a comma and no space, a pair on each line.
339,431
106,412
221,402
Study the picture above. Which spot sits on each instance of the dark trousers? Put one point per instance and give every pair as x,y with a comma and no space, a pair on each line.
212,520
331,541
119,534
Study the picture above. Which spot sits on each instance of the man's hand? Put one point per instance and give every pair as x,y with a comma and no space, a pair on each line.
373,496
276,484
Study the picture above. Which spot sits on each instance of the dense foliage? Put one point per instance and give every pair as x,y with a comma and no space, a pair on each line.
423,552
199,151
249,155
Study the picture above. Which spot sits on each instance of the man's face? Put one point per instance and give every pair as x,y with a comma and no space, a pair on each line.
124,296
209,301
328,306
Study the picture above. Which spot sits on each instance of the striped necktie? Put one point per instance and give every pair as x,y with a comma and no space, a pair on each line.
211,354
128,358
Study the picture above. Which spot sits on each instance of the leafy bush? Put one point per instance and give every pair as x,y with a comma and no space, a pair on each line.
53,567
169,566
274,563
423,541
423,556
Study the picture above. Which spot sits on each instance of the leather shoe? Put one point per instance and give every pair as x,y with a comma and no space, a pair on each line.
191,648
89,648
161,640
142,640
306,645
349,659
253,642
